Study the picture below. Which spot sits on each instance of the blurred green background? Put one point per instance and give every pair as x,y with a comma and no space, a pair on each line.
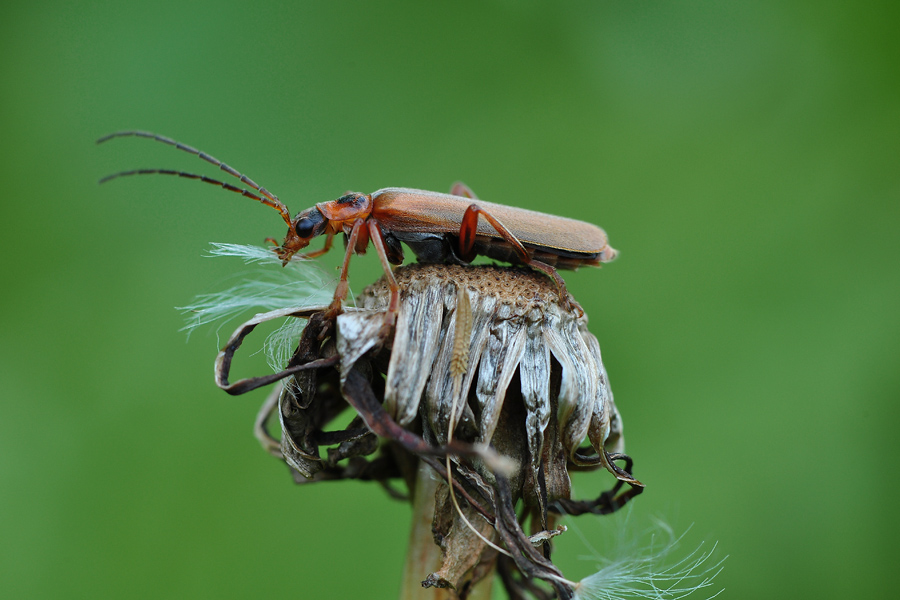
742,157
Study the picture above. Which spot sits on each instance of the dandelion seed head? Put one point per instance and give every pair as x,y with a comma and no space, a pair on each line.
520,331
485,358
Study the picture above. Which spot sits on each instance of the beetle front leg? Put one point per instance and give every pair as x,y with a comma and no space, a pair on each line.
328,240
340,292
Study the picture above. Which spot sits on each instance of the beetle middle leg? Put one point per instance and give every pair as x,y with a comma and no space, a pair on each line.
469,229
343,287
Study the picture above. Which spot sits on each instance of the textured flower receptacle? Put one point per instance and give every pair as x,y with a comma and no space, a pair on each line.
485,384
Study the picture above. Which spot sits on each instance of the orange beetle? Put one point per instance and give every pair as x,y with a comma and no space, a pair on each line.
438,228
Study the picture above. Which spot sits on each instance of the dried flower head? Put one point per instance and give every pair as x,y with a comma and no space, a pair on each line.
478,396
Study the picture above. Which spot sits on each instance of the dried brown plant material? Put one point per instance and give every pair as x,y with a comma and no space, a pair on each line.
486,382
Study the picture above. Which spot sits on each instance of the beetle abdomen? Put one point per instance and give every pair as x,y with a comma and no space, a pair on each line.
440,249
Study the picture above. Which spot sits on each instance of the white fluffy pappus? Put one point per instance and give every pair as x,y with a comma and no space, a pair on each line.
649,564
300,283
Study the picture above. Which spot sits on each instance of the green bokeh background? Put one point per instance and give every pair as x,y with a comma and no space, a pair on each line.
743,158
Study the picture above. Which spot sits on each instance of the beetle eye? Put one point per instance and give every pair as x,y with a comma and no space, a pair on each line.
304,228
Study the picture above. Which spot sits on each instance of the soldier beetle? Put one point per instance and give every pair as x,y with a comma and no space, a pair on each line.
438,228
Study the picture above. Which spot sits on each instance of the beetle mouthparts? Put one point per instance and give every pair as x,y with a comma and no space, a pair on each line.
284,255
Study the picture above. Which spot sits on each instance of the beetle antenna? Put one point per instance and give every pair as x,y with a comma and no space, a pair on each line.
269,199
203,178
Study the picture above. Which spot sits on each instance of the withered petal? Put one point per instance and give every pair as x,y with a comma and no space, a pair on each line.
577,392
505,346
534,379
416,340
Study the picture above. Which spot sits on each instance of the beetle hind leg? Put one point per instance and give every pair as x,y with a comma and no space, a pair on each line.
565,299
468,229
461,189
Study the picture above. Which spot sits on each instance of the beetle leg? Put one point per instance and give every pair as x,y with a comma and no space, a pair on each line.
378,242
461,189
324,249
468,230
362,243
343,286
560,284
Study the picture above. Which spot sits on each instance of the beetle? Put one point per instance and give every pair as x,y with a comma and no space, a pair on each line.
438,228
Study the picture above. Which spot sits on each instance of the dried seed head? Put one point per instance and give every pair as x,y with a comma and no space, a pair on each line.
533,386
518,334
479,362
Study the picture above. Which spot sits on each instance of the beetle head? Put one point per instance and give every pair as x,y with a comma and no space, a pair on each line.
305,226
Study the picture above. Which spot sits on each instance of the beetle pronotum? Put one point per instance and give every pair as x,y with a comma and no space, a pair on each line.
437,227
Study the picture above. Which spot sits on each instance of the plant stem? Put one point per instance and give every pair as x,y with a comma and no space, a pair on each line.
424,556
